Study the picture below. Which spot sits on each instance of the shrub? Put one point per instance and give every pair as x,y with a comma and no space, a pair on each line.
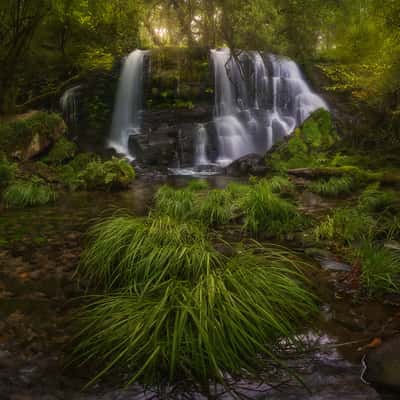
181,310
380,269
7,171
178,204
62,151
346,225
109,175
28,194
333,187
265,211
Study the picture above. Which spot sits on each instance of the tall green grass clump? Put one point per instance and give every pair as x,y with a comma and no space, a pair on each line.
380,269
217,208
374,200
346,225
196,185
333,187
176,309
175,203
264,211
28,194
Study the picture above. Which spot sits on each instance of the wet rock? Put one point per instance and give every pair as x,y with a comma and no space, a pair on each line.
252,164
382,365
332,265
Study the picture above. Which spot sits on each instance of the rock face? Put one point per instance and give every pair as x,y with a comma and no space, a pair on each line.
252,164
31,134
168,136
383,365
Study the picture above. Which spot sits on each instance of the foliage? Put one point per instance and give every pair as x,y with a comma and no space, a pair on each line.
18,133
7,171
63,150
307,146
266,212
346,225
178,204
380,269
334,186
28,194
109,175
197,185
217,208
375,200
181,310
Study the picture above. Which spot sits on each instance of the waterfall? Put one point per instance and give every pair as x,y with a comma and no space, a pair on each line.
254,110
201,139
233,138
129,103
69,103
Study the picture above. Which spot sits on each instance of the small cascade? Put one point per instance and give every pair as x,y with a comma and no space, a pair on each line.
201,139
129,103
259,105
69,103
233,138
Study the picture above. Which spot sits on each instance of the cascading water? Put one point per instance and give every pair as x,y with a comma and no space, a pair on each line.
129,103
69,103
200,157
233,138
253,110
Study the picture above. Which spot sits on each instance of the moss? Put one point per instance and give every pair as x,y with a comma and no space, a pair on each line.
19,133
63,150
308,145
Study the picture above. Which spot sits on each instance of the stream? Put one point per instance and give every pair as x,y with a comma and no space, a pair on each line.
39,252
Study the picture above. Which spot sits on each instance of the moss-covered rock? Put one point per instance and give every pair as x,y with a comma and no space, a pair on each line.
29,135
308,146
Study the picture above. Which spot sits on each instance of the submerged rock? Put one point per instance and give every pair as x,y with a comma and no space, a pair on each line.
382,365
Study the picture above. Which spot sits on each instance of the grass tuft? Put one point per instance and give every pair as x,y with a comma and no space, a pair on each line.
334,186
28,194
380,269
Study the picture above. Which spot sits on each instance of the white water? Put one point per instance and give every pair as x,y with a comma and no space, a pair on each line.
200,156
129,103
233,138
252,113
69,105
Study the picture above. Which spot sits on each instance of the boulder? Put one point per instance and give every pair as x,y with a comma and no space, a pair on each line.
382,365
29,135
251,164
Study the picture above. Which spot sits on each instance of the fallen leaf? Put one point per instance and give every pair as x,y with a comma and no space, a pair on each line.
376,342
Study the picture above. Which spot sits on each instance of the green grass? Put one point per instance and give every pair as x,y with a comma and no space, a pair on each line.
7,171
265,212
28,194
197,185
334,186
374,200
178,204
217,208
125,250
346,225
62,151
181,310
380,269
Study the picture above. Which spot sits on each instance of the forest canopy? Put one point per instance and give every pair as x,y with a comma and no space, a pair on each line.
45,42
